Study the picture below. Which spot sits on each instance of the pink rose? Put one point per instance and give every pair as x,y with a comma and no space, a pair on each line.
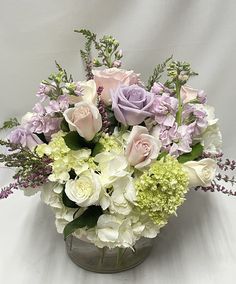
142,148
111,78
85,119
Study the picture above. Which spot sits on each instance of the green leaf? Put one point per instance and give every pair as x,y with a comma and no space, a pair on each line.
97,149
75,142
64,126
162,155
12,122
42,137
67,202
196,152
157,73
88,219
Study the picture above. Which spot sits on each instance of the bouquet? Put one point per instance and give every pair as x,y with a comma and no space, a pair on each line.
112,156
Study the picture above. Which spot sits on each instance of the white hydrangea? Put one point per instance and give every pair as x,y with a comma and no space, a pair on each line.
51,195
123,196
212,139
112,166
114,230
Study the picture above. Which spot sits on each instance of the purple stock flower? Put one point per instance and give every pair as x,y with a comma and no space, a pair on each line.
201,96
60,105
39,108
43,124
159,88
175,140
78,89
131,104
164,109
189,94
43,92
195,118
24,137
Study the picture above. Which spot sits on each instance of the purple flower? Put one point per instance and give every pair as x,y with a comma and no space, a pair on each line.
60,105
164,109
195,118
39,108
201,96
43,124
78,89
24,137
189,94
175,140
159,88
131,104
43,92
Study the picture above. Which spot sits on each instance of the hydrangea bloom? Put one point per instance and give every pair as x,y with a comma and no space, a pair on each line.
161,189
64,159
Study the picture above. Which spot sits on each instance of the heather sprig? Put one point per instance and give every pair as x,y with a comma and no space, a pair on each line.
33,171
103,112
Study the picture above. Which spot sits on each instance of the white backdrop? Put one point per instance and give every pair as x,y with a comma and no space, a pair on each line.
197,247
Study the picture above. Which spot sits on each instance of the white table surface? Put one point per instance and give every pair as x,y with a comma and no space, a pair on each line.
199,246
196,247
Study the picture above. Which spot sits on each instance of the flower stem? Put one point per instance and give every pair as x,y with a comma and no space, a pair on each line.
180,107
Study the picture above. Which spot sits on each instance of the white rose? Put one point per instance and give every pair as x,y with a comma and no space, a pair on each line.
142,148
88,91
85,119
200,173
85,190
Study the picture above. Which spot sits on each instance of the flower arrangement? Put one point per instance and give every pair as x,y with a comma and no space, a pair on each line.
113,157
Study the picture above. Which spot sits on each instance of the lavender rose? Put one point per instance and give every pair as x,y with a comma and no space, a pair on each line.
132,104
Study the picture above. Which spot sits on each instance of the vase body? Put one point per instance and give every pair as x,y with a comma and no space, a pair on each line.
105,260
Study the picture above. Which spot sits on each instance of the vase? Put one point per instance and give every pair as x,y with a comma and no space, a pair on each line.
105,260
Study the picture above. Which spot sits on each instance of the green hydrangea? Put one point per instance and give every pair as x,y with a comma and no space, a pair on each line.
110,143
65,159
161,189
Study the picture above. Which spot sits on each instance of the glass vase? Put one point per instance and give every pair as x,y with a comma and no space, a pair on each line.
105,260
